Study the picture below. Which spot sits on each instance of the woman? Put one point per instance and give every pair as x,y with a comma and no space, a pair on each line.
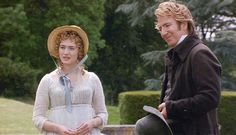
73,95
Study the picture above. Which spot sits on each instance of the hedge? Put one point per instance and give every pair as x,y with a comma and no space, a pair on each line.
132,102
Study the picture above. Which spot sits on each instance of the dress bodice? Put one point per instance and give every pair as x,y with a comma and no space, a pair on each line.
82,90
87,98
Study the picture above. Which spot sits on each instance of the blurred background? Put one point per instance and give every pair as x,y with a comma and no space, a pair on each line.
126,51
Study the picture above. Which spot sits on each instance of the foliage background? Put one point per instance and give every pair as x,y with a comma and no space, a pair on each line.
131,108
125,50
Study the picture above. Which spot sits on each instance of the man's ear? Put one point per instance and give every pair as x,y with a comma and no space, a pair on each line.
184,26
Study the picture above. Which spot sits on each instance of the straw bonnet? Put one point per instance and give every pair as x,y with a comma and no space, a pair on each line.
152,124
52,47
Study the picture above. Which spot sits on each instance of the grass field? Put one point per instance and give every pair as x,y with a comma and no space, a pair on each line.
15,117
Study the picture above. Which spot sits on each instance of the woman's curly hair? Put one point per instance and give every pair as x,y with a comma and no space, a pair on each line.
73,36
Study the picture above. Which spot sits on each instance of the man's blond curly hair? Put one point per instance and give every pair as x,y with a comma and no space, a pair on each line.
179,11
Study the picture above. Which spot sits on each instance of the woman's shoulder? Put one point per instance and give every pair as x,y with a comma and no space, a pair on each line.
91,75
50,75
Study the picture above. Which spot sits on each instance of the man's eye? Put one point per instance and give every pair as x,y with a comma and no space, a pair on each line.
167,25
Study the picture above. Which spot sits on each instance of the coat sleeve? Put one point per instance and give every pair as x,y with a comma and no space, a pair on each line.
206,76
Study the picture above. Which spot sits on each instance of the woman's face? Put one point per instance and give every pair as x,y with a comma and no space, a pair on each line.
68,52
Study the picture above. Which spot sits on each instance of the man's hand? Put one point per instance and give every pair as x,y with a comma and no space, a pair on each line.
162,109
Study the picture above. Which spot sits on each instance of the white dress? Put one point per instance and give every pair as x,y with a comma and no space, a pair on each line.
87,102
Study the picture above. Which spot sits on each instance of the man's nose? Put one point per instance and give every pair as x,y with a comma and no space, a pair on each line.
163,32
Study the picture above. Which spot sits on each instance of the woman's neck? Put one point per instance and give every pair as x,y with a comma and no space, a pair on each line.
68,68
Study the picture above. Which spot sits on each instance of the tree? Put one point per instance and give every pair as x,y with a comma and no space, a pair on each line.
45,16
13,30
224,47
211,17
119,64
26,24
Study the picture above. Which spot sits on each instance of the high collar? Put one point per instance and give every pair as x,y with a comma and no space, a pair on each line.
182,50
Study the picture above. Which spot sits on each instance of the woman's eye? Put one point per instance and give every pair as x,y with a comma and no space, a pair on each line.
62,47
72,48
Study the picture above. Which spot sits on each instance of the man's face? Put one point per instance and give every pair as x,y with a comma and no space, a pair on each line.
171,30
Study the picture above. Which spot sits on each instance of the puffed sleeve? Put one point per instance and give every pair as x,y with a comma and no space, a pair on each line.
98,102
41,103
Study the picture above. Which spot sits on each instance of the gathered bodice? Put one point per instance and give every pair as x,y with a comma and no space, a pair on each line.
87,100
82,91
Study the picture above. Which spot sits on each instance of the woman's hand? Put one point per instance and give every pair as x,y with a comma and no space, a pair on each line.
57,128
85,128
62,130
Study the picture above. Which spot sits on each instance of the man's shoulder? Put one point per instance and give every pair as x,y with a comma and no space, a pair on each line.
200,47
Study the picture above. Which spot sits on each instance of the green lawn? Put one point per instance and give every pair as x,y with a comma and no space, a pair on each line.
15,116
114,115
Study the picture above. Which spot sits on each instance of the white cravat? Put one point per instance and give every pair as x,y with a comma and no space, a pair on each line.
181,39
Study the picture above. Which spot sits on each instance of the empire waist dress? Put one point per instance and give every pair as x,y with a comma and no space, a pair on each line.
87,100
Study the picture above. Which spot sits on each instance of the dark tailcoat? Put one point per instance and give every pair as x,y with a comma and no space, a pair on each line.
195,82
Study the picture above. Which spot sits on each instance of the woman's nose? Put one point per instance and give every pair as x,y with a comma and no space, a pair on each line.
66,50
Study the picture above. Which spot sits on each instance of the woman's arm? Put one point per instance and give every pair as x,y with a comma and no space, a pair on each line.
99,103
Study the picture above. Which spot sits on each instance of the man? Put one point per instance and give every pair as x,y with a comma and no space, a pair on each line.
191,86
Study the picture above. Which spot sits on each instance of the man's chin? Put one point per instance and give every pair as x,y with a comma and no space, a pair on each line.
171,45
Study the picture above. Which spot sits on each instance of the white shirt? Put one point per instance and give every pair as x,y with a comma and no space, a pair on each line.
181,39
